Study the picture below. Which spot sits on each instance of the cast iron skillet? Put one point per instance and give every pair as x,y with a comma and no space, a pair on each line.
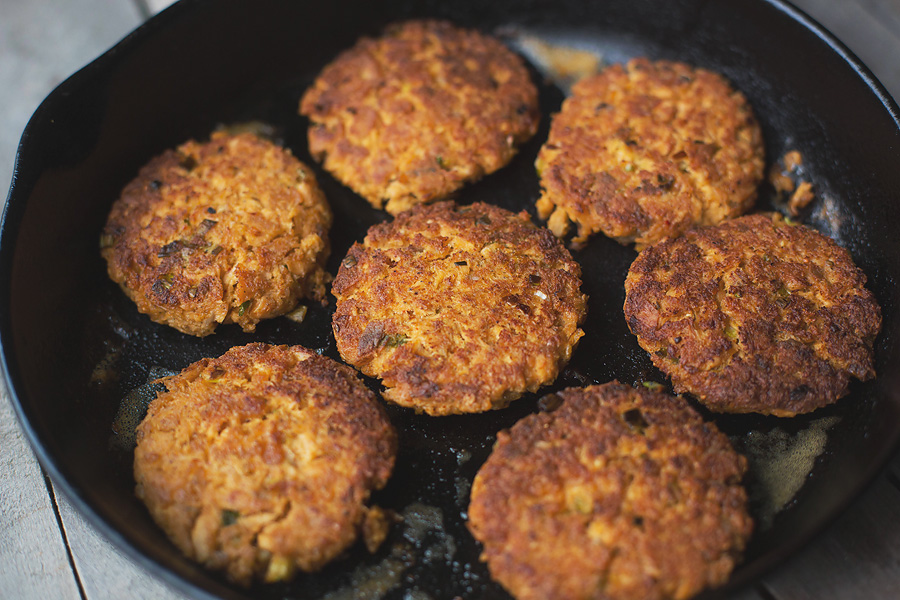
74,346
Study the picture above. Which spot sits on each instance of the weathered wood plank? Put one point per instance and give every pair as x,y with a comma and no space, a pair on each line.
33,560
858,545
103,571
870,28
154,6
42,43
886,11
858,557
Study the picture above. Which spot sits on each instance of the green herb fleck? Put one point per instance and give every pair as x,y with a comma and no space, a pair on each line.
783,297
653,386
166,280
229,517
107,240
441,163
394,340
663,353
243,307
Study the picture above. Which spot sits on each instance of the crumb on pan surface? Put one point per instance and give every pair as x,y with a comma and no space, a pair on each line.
260,462
645,151
787,176
233,230
617,494
458,309
413,115
757,314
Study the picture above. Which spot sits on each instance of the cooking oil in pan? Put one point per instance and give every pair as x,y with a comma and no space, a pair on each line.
779,464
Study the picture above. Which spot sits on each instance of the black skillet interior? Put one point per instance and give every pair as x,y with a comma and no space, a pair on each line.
74,346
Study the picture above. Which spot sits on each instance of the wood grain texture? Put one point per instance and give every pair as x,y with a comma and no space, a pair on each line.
105,573
33,560
42,42
869,28
154,6
858,557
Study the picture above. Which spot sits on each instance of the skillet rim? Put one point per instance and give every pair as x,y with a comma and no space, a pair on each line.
22,185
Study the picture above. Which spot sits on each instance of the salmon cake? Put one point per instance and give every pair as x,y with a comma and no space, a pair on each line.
458,309
616,493
233,230
647,150
413,115
758,314
261,462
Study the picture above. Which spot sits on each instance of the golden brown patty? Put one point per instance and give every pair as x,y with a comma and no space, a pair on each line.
617,494
458,309
754,315
645,151
411,116
260,461
230,231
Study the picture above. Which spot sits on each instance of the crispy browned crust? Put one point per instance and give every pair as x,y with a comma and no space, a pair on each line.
754,315
261,461
646,151
458,309
233,230
412,116
617,494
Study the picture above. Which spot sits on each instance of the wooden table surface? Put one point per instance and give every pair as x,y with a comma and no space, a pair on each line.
48,551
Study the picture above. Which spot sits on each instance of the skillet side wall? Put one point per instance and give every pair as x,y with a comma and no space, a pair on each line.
202,63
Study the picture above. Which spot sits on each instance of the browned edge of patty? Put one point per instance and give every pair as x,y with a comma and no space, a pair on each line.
411,116
616,494
646,150
758,314
233,230
458,308
261,461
